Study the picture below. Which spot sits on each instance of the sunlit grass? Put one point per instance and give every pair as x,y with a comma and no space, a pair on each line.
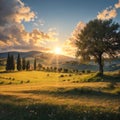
58,96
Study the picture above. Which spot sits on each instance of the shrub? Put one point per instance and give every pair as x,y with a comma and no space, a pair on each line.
21,81
74,81
59,69
63,80
28,81
88,71
1,82
111,85
80,73
61,76
119,72
70,75
48,74
83,71
9,83
65,70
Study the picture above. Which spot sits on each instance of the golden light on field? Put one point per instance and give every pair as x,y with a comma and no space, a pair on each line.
58,50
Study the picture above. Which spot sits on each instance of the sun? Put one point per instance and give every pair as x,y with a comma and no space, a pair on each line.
57,50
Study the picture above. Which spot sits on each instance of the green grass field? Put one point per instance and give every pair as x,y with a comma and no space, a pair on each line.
36,95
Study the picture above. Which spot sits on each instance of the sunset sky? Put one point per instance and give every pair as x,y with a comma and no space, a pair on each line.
44,24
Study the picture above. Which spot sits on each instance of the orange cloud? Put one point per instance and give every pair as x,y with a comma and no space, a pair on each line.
23,14
107,14
69,46
117,5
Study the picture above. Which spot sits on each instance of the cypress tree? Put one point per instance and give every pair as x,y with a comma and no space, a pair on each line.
8,62
23,64
12,63
19,65
39,66
28,65
35,64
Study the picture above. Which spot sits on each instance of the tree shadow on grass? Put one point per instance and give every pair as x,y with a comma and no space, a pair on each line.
11,111
76,92
105,78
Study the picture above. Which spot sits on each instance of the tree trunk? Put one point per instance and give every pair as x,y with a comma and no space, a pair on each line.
100,63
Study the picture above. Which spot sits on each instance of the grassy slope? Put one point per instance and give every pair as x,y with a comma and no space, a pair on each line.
54,96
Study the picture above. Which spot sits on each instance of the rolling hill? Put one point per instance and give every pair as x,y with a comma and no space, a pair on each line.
49,59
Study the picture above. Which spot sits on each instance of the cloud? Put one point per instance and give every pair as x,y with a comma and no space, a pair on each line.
38,23
52,32
15,36
77,29
109,13
12,32
14,11
117,5
69,46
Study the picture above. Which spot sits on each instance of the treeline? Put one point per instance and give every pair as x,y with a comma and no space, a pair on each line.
60,70
20,64
23,64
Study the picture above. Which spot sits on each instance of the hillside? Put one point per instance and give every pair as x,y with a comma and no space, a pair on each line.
49,59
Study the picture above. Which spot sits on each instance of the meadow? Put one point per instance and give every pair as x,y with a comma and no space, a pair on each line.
38,95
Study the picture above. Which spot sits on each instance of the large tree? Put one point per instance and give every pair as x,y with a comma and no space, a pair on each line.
99,39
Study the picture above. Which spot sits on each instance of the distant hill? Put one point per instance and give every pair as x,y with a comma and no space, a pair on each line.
23,54
42,56
49,59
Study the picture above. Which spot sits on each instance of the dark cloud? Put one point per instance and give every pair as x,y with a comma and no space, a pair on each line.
14,11
12,32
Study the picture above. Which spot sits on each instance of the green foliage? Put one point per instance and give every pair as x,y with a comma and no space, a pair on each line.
83,71
88,71
61,75
35,64
19,63
40,67
65,70
97,38
28,65
12,61
10,65
23,64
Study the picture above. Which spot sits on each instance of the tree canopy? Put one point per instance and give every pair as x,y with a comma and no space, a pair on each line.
99,39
